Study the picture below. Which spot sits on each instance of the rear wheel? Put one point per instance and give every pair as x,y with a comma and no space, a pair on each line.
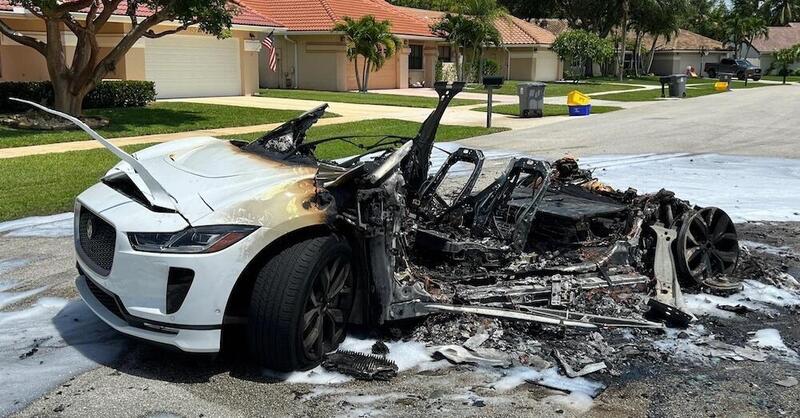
707,245
712,73
301,301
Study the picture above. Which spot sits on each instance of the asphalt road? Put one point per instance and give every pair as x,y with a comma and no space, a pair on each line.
758,121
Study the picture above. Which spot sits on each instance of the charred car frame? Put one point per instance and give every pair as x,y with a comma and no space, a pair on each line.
189,238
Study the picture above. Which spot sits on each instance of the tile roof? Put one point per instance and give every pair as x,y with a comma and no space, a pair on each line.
322,15
513,31
245,15
556,26
685,40
779,37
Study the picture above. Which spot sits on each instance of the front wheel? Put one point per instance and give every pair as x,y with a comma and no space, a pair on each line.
301,301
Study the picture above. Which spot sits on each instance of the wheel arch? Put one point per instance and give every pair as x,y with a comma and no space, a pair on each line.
239,297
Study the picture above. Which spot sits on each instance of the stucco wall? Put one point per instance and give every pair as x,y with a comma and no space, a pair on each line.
21,63
666,63
322,64
533,64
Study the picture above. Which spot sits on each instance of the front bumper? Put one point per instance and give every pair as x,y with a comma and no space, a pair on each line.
138,282
190,340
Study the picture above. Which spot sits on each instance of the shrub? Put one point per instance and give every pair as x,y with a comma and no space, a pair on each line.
35,91
107,94
490,67
579,46
439,71
121,93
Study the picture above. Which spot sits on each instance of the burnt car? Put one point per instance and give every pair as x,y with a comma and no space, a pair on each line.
187,240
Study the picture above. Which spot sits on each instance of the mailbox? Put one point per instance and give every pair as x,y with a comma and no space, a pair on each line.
492,81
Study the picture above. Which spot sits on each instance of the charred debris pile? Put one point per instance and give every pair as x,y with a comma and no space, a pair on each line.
544,250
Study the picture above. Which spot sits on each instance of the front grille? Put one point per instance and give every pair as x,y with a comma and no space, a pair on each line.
106,299
97,239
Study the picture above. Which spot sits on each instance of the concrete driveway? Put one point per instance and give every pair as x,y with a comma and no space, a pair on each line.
758,121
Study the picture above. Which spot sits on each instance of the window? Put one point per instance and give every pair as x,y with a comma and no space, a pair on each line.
444,53
415,57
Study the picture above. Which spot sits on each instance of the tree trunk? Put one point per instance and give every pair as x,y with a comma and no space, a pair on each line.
637,53
480,66
65,100
623,35
652,54
358,77
367,65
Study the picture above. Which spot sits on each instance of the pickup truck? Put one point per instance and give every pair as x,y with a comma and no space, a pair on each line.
740,68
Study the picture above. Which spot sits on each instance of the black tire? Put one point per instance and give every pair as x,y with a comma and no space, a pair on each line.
712,73
756,78
741,76
288,295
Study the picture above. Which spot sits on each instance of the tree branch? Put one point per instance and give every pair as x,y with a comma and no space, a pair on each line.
109,61
72,6
72,24
92,13
23,39
109,7
152,35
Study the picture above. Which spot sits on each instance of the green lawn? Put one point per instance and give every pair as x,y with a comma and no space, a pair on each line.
791,78
655,81
338,149
655,94
157,118
645,80
700,89
557,89
549,109
361,98
47,184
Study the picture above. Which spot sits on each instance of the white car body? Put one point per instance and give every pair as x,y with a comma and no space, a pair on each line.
212,182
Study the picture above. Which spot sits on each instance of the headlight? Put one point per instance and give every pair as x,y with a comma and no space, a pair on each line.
202,239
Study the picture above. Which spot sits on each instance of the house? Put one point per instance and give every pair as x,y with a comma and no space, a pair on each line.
190,63
311,56
762,50
525,54
683,50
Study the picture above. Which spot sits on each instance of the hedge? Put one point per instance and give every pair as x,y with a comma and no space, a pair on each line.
123,93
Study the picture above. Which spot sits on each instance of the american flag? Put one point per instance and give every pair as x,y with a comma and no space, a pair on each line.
272,60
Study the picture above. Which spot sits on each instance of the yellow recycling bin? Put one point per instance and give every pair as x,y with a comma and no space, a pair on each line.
576,98
721,86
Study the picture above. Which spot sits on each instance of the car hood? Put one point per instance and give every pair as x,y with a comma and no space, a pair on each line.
204,174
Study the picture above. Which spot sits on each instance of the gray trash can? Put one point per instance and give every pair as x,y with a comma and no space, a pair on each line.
531,99
677,85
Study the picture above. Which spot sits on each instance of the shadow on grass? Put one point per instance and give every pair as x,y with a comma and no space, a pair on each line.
134,119
159,118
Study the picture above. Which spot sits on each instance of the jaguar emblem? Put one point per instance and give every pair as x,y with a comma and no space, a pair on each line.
89,229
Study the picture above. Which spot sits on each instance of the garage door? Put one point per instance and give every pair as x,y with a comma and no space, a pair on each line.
193,66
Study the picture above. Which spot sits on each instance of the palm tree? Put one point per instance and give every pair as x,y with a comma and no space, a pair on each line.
484,14
659,18
465,32
780,12
454,28
742,29
370,39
